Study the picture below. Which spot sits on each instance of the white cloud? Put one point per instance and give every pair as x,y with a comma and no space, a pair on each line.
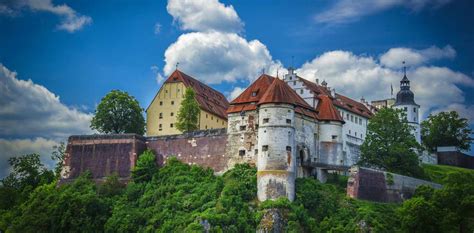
463,111
157,28
71,21
30,110
204,15
236,92
214,57
394,57
349,10
19,147
357,76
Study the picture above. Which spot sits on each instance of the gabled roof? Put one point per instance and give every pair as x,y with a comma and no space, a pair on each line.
208,99
339,100
352,105
326,110
267,89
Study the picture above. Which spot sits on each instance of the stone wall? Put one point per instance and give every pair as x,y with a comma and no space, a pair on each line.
205,148
102,155
456,158
374,185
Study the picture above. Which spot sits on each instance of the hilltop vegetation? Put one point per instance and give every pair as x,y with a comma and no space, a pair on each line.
183,198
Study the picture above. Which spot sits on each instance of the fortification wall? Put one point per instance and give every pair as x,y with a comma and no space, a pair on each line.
374,185
455,158
206,148
102,155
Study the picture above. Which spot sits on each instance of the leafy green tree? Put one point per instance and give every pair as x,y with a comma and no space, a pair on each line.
445,129
389,144
188,115
419,215
146,167
27,170
58,156
118,112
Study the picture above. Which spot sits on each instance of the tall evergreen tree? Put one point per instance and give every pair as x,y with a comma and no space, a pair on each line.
188,115
445,129
389,144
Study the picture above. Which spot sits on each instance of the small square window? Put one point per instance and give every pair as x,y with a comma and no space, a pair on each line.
242,127
288,148
255,151
212,118
217,120
161,103
301,91
166,91
172,102
334,137
265,120
241,152
265,148
288,121
161,115
254,93
206,126
405,109
178,90
172,114
206,115
294,82
159,126
414,109
171,125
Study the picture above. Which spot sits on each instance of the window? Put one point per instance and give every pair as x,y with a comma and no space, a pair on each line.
254,93
161,103
288,121
166,91
178,90
291,78
334,137
161,115
206,126
171,125
265,148
255,151
405,109
347,116
212,118
172,102
242,127
360,121
349,131
294,82
301,91
241,152
265,120
288,148
159,127
172,114
206,115
414,118
217,120
414,109
352,118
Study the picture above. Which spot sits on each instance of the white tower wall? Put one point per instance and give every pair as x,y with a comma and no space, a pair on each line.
276,152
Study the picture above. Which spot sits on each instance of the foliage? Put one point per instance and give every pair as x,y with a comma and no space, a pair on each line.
445,129
69,208
118,112
188,115
450,209
146,167
389,145
111,187
438,173
58,156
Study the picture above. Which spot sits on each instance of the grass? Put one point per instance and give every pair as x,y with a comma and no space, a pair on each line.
437,173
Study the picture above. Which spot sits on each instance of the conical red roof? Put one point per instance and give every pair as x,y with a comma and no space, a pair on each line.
326,110
280,92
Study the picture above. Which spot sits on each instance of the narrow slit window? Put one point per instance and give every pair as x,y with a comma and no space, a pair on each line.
265,120
265,148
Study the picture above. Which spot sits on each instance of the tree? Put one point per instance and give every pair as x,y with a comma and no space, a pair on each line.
58,156
188,115
389,144
118,112
145,168
445,129
27,170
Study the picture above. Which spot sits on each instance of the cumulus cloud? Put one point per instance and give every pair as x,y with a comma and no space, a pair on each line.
357,76
214,57
395,56
19,147
204,15
30,110
71,21
349,10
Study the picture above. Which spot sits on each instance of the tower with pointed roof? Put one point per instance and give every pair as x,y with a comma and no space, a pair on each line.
405,101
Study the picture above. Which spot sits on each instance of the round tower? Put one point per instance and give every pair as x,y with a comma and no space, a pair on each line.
276,151
406,102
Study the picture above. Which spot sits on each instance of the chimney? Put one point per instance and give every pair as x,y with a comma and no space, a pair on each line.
333,92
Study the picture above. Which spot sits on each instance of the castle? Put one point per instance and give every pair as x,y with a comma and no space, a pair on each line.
287,127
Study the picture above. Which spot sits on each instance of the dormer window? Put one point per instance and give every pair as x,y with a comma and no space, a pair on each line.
254,93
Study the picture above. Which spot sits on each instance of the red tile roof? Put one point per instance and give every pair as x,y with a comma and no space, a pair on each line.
326,110
209,99
339,100
267,89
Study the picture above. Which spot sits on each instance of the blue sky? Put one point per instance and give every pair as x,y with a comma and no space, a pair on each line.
80,50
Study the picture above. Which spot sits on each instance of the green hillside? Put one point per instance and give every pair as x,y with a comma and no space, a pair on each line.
438,173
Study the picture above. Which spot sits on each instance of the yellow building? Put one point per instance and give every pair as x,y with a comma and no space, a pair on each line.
163,110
